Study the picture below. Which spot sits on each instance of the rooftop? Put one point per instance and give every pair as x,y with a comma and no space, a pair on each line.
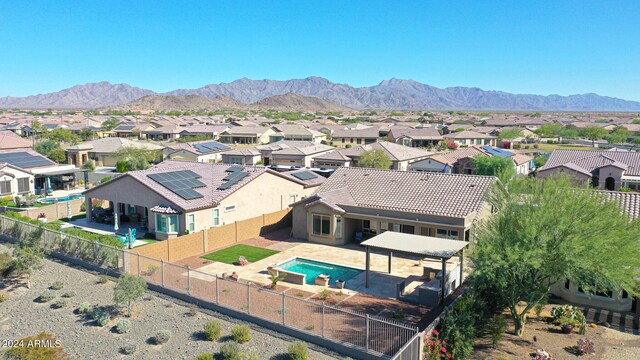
586,161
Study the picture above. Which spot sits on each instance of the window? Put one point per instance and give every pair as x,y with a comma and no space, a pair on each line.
338,226
5,187
216,217
566,284
359,141
191,218
229,208
237,160
322,225
23,185
447,234
166,223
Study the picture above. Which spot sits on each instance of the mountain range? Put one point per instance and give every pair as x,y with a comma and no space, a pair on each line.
389,94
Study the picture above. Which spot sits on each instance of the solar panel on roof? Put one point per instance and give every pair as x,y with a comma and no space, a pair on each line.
25,160
233,179
304,175
234,169
180,183
497,152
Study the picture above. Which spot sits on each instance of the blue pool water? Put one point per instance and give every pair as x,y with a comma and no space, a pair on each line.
62,199
313,268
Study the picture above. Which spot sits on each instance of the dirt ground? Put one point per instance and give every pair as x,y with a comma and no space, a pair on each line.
541,333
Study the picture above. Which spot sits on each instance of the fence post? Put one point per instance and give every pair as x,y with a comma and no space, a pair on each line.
366,339
217,291
248,299
161,268
138,264
188,281
323,311
283,309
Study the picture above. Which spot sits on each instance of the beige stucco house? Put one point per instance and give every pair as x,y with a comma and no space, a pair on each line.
246,135
104,151
357,203
608,170
177,197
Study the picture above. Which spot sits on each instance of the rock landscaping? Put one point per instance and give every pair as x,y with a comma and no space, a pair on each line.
88,324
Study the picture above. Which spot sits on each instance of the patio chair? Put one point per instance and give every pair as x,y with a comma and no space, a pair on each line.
359,236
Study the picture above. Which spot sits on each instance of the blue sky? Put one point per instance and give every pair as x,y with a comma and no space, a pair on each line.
542,47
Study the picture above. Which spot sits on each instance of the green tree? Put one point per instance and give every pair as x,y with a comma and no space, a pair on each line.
501,167
87,134
593,133
36,127
109,124
58,155
619,135
540,160
28,255
510,134
569,133
547,230
89,165
550,130
129,289
46,146
376,159
636,121
62,135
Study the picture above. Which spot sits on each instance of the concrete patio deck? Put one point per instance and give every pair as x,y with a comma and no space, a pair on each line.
381,283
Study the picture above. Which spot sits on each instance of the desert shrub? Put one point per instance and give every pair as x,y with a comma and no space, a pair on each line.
123,326
37,352
101,317
213,330
46,296
458,328
325,294
496,329
569,312
19,216
586,346
85,308
230,351
68,294
98,238
152,269
162,336
6,264
3,298
241,334
204,356
397,313
193,310
299,351
103,279
129,349
251,354
60,304
58,285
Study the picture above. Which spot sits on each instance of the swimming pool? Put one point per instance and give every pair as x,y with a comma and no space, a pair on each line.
313,268
61,199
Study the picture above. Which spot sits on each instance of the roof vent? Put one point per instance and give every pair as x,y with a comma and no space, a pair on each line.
472,185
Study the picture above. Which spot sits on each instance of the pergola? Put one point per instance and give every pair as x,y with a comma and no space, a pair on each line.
417,245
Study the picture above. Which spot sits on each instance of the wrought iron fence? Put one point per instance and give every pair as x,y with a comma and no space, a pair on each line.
372,334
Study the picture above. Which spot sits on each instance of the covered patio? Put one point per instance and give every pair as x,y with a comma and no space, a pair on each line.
427,247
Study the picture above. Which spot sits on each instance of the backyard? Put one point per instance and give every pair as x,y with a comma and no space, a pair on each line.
22,315
231,254
541,333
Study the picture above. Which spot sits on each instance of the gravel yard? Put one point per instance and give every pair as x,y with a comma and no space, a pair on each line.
21,316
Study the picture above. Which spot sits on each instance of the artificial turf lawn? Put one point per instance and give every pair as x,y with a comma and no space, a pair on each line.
231,254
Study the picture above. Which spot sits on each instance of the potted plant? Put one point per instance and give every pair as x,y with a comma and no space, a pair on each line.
42,217
567,324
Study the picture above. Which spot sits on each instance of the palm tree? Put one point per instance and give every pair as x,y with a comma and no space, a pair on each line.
275,277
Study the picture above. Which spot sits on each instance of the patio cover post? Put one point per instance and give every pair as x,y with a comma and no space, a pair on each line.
443,280
390,256
366,273
461,266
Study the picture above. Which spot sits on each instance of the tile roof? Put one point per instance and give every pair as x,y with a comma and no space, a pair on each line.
396,152
427,133
372,132
11,140
629,201
245,130
406,191
587,160
468,134
113,144
211,174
